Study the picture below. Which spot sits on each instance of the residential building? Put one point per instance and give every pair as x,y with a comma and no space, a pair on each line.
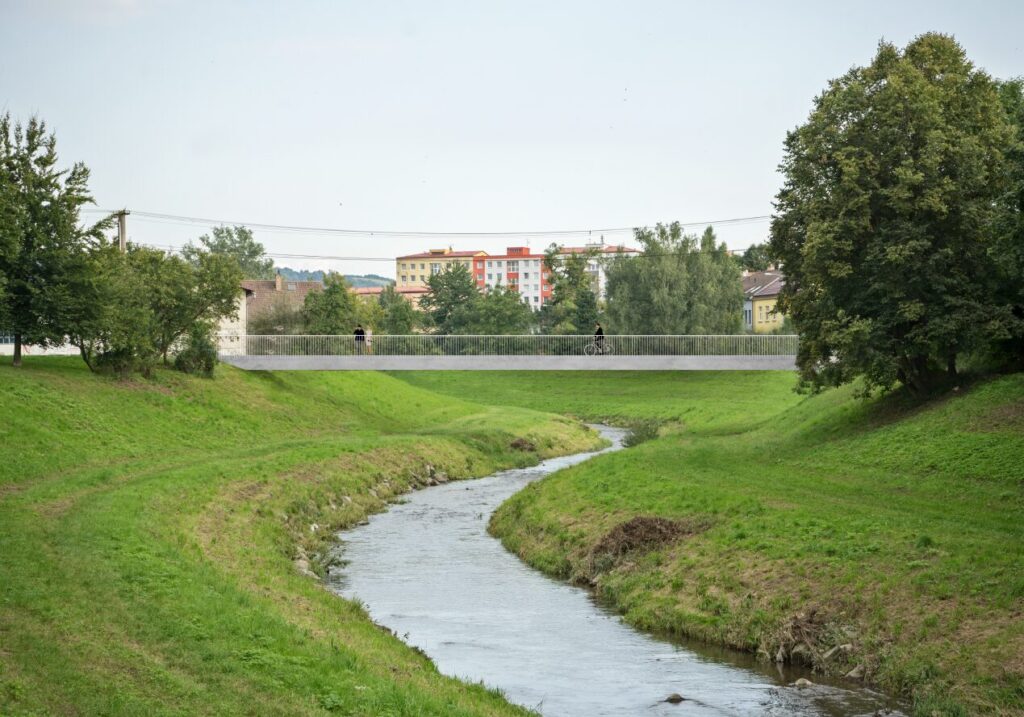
760,294
518,269
413,270
231,330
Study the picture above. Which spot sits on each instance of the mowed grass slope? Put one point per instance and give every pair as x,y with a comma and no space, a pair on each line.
891,531
149,533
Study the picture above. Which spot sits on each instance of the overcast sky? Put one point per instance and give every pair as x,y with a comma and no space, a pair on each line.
467,116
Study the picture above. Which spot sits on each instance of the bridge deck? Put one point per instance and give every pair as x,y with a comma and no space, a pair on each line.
513,363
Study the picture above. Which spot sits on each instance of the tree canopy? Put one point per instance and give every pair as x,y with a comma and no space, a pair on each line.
236,242
449,290
333,310
47,287
681,284
572,308
884,222
399,317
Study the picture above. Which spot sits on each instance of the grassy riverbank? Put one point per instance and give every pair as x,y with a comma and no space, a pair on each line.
153,534
879,538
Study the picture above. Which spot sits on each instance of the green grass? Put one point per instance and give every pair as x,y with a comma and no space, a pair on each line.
891,527
149,532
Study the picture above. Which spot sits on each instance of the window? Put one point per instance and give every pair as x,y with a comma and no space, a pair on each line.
526,275
403,278
513,266
479,277
535,299
403,266
499,264
422,278
291,286
490,264
422,267
490,276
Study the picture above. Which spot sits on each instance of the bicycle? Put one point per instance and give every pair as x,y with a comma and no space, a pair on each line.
598,349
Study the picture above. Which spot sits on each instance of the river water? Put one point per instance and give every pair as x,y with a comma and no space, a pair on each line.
428,570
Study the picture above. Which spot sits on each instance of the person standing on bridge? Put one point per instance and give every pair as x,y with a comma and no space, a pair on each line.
360,336
599,337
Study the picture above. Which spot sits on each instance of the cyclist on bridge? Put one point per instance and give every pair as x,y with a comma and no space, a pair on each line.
599,337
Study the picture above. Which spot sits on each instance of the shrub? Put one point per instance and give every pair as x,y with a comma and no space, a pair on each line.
199,356
642,431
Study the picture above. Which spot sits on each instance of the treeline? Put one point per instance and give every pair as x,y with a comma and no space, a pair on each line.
681,284
64,282
900,225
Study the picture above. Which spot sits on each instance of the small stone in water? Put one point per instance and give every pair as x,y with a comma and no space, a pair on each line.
802,682
674,698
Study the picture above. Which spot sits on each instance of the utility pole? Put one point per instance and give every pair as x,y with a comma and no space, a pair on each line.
122,229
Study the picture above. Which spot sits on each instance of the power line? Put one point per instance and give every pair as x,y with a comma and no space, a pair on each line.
187,220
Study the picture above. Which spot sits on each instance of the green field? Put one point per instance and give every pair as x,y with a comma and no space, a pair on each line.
892,530
150,531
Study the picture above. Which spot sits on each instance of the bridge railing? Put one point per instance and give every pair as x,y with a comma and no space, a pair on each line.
528,345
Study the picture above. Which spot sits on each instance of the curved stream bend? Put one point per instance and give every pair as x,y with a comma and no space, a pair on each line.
428,570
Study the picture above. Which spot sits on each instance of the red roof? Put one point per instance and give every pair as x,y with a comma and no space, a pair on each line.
265,293
447,254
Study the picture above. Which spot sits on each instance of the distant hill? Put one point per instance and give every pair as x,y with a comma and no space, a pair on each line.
356,280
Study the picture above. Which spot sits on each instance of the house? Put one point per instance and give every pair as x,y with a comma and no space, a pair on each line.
760,293
231,330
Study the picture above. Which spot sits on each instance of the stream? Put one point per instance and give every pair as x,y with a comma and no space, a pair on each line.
428,570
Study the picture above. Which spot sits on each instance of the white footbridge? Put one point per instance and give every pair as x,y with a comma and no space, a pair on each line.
430,352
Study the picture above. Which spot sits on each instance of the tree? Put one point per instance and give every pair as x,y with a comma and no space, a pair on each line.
884,221
235,242
118,335
756,258
681,284
44,253
1009,245
573,305
399,316
333,310
204,289
500,311
448,290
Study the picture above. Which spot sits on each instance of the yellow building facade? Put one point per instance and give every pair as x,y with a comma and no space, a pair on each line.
760,295
413,270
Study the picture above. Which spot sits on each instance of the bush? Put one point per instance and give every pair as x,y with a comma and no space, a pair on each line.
642,431
200,353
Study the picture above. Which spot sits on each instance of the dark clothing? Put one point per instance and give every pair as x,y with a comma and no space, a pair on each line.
360,334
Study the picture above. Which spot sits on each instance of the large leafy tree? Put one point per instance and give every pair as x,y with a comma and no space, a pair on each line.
399,316
499,311
44,252
182,293
333,310
884,221
756,258
236,242
447,291
573,305
1008,250
682,284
